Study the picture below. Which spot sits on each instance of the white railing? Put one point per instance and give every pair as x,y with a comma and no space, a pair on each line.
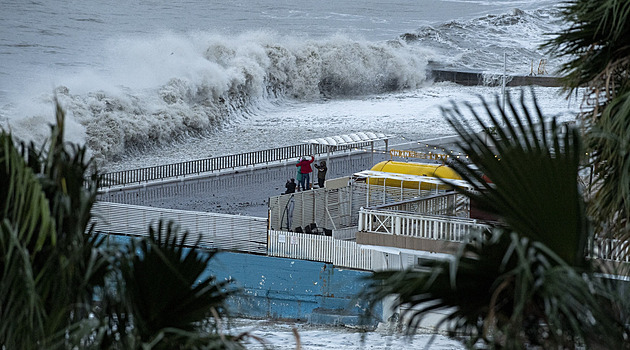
233,161
447,228
222,231
610,249
319,248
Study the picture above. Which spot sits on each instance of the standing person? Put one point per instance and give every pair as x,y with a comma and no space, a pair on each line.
321,173
306,170
299,178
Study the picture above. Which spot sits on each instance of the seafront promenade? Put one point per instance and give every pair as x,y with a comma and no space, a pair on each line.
245,190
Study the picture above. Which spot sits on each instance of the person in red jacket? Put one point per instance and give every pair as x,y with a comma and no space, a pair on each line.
306,170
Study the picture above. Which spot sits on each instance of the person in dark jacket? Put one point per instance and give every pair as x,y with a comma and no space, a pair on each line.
306,170
290,185
321,173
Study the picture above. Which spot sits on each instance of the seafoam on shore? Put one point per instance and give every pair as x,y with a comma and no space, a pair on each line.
282,336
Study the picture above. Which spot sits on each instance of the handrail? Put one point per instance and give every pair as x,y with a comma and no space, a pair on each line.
196,167
448,228
456,229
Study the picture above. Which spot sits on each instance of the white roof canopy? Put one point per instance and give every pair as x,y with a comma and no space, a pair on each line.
371,174
349,139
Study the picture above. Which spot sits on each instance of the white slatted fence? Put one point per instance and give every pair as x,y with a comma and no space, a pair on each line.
319,248
222,231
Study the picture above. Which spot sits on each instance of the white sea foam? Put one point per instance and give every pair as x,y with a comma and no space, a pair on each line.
134,88
480,44
407,115
153,90
282,336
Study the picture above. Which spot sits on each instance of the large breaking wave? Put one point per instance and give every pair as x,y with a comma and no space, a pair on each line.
154,90
151,91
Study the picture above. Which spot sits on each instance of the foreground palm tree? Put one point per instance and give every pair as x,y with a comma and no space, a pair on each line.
49,265
597,46
526,282
62,286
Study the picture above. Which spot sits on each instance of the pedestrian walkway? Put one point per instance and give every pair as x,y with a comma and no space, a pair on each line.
243,192
246,190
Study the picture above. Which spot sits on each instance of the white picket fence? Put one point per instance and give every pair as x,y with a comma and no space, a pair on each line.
250,234
222,231
312,247
448,228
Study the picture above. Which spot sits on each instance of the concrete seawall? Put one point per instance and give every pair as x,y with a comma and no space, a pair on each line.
289,289
281,288
470,78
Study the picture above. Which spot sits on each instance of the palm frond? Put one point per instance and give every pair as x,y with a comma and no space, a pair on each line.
533,165
46,214
63,288
507,292
527,283
23,201
166,284
609,140
597,42
597,46
18,296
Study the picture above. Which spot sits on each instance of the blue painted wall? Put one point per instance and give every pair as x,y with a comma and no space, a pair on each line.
290,289
280,288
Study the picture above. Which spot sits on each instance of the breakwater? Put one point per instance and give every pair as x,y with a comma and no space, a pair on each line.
470,78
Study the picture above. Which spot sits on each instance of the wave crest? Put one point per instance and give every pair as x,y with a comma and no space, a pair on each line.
171,87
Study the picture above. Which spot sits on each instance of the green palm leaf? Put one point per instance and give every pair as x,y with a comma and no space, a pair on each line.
596,42
23,200
533,166
507,292
526,283
596,45
62,288
50,265
166,290
609,140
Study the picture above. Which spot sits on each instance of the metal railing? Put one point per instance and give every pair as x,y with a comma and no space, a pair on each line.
338,208
199,166
447,228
